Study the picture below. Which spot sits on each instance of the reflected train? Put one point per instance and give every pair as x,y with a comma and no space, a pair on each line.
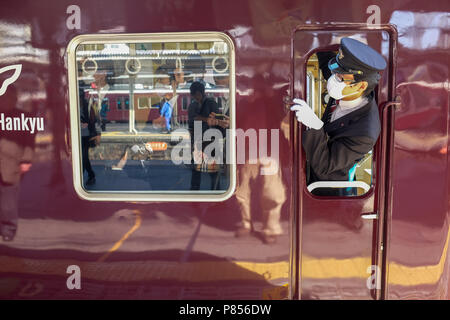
117,105
149,89
150,228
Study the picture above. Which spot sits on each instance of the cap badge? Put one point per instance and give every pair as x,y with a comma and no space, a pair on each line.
341,55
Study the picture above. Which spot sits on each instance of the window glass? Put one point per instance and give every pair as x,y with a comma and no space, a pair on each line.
139,129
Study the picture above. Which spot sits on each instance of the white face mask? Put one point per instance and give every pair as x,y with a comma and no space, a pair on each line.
335,87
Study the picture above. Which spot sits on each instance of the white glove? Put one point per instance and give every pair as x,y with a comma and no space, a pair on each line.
306,115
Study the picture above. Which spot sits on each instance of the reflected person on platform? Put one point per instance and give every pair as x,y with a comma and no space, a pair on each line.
91,121
201,163
16,155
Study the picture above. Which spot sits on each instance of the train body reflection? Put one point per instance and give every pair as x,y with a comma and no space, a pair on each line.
106,102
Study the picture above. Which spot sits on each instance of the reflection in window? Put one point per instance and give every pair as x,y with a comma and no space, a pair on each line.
185,103
135,107
143,103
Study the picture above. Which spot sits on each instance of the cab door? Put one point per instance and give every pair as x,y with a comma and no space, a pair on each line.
340,239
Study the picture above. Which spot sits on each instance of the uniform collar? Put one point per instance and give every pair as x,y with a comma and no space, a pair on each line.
352,116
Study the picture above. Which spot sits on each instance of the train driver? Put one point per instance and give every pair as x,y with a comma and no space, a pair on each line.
350,125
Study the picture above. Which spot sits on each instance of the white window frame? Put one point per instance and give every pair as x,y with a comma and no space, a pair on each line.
146,196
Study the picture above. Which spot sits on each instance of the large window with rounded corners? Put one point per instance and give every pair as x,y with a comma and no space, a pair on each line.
317,97
138,134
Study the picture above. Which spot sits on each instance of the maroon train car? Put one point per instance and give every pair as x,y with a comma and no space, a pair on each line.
150,228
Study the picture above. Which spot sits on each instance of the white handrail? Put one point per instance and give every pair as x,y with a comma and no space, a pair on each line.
338,184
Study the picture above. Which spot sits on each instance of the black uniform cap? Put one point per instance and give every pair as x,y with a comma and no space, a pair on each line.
355,57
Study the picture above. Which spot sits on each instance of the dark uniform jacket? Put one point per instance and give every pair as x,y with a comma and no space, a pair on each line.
334,149
93,121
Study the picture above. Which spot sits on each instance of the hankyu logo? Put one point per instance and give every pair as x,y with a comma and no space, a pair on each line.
17,70
22,123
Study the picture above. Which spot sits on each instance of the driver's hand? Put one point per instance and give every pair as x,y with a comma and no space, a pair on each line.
306,115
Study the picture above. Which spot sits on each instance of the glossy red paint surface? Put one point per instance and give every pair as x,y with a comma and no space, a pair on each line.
188,250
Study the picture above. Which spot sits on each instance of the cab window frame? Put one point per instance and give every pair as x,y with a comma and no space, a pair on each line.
373,152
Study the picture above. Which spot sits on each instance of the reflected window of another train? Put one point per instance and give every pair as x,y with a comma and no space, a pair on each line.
155,102
143,103
185,103
154,114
